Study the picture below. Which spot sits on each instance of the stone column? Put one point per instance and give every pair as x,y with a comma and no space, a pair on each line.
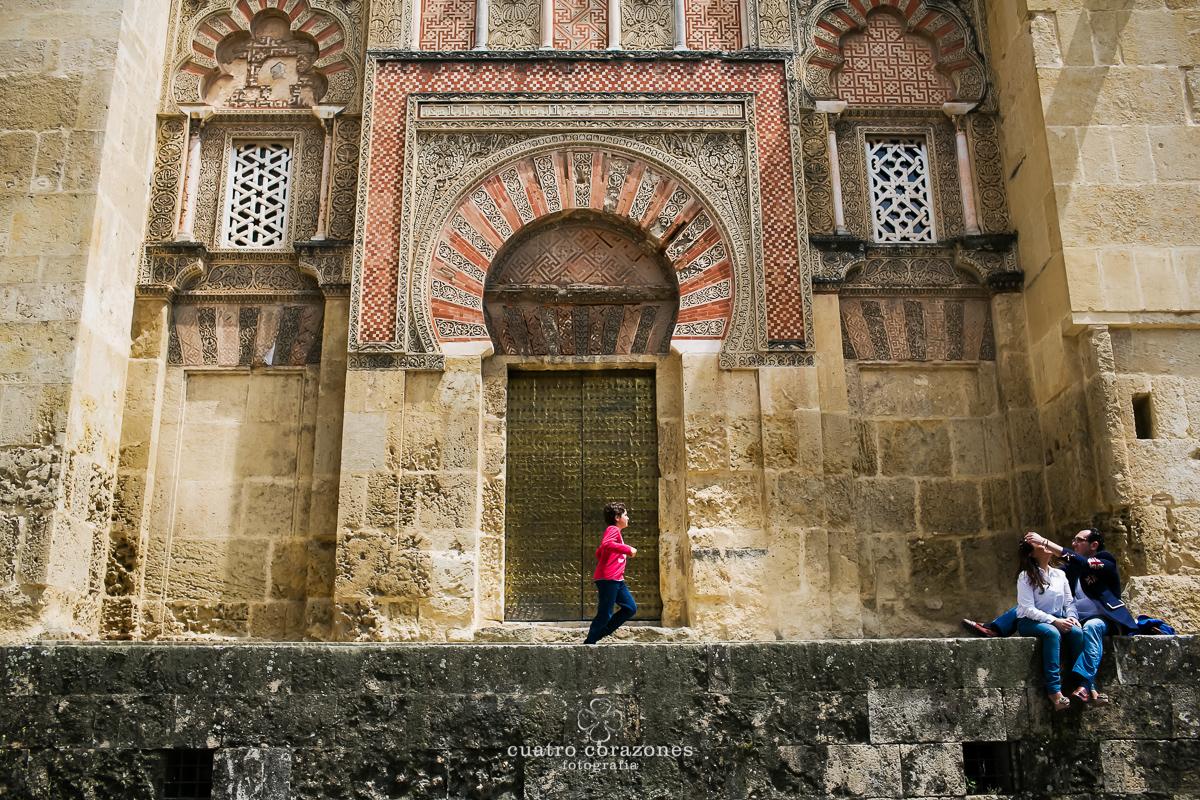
547,24
326,115
415,27
614,24
197,116
957,113
680,25
831,109
482,20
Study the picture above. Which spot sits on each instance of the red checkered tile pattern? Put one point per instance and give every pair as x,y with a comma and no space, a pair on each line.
886,66
713,24
395,81
516,194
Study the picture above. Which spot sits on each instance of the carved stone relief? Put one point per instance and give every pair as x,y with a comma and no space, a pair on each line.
253,54
168,168
347,133
775,24
943,21
818,182
514,24
647,25
984,139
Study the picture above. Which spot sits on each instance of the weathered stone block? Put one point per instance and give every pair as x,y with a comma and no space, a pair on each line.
914,448
863,771
949,506
933,770
899,715
886,504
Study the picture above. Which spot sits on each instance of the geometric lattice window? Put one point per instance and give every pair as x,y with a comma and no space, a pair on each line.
256,209
901,200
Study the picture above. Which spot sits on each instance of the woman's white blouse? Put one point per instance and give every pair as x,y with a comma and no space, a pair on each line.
1054,603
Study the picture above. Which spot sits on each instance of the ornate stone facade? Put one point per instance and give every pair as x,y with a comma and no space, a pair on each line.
884,334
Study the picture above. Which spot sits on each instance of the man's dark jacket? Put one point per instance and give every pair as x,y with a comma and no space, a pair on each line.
1102,585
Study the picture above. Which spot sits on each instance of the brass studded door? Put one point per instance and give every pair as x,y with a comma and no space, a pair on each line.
578,440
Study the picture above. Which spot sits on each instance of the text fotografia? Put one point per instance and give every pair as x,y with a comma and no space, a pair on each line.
602,751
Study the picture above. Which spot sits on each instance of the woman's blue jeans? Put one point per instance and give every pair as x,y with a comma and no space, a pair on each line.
611,592
1056,649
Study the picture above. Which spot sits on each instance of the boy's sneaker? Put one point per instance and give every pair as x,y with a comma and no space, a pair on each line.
980,629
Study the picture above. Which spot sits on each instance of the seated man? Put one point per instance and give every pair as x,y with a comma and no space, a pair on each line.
1096,583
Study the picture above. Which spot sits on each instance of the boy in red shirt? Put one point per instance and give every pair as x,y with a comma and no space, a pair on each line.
610,576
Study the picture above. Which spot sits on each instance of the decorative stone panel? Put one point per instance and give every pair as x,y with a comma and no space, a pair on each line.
447,24
265,54
581,24
514,24
955,54
917,329
168,172
229,334
883,65
722,164
775,24
647,25
667,211
714,24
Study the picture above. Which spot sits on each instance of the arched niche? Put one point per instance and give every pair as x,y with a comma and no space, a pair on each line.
580,283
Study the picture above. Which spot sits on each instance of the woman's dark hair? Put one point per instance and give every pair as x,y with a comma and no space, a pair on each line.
1030,569
612,512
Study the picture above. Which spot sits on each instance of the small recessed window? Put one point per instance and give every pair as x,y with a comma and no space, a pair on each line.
188,775
1143,416
989,767
256,204
901,197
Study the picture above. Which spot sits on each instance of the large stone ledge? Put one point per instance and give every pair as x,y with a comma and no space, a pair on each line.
873,718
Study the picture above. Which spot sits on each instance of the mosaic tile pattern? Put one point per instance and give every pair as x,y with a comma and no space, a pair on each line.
581,24
395,81
447,24
491,213
713,24
886,66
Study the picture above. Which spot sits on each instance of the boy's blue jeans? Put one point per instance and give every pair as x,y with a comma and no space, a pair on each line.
1056,648
611,592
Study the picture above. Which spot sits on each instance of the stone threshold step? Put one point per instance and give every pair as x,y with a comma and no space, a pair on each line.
574,632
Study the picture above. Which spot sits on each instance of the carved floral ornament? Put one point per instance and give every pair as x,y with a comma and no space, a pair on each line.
267,54
938,21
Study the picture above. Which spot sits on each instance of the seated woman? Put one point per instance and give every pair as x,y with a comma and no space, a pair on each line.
1046,609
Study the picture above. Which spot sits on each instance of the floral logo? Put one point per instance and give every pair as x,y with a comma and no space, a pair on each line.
601,719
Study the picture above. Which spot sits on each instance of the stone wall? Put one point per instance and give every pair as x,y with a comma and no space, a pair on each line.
884,719
77,97
1109,256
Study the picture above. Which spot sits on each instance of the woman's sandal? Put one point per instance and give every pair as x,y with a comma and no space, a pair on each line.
1060,702
1099,699
1082,694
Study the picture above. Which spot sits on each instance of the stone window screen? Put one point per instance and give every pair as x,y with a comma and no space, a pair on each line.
256,203
901,193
